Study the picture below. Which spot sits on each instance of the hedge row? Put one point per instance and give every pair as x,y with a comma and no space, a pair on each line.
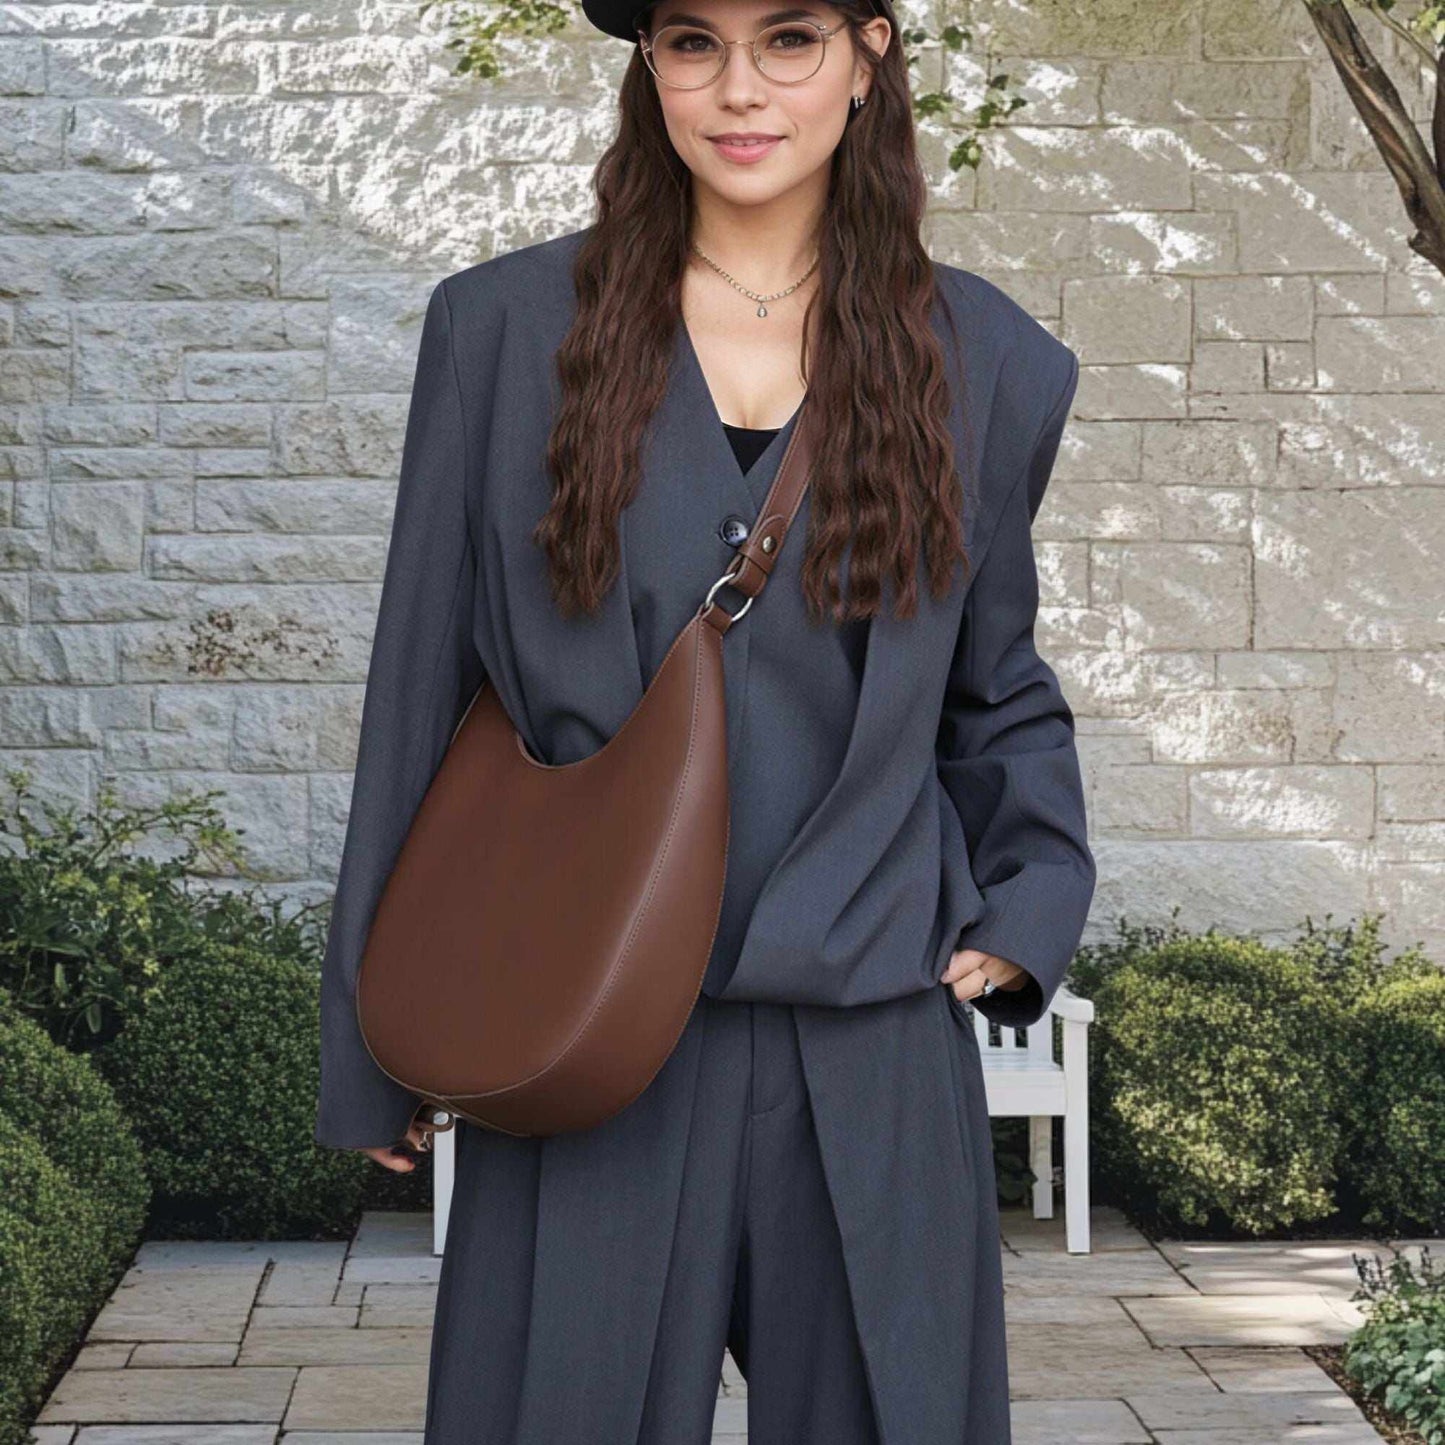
71,1212
1241,1088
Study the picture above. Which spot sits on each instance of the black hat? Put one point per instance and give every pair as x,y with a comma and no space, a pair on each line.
620,17
616,17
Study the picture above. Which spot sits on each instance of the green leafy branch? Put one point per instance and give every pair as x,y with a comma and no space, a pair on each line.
1000,100
477,32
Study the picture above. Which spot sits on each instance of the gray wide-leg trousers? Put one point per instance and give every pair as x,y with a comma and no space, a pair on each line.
755,1264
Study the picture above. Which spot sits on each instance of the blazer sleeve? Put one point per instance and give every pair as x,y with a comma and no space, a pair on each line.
1008,761
424,670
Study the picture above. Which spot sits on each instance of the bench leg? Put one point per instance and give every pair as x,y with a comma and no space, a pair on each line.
443,1164
1076,1139
1041,1161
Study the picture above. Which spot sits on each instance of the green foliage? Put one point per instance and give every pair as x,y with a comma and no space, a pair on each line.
1131,943
71,1211
220,1077
88,920
1398,1355
969,127
1428,21
1394,1160
1013,1174
1237,1086
477,33
1351,958
1219,1068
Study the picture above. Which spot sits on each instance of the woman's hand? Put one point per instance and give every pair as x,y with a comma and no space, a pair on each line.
970,968
416,1137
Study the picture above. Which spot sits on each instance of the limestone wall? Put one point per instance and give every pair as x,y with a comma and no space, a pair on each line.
219,224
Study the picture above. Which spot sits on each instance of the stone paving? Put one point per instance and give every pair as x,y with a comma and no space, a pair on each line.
297,1343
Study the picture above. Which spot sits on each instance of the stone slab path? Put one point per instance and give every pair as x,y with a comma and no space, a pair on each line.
296,1343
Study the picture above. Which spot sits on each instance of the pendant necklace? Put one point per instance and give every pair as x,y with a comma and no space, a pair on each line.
753,295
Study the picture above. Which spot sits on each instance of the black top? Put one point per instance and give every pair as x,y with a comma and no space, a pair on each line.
749,443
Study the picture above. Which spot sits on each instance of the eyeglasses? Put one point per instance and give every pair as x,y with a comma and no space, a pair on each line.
687,57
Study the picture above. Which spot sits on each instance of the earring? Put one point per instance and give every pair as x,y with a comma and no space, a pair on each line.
858,102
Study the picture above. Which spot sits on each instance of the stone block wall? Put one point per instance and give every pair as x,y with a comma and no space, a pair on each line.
218,227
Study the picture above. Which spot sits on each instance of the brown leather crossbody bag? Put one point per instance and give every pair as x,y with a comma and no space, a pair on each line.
542,937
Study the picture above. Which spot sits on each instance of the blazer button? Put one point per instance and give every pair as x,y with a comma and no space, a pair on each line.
733,529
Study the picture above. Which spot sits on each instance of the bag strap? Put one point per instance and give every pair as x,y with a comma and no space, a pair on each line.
757,555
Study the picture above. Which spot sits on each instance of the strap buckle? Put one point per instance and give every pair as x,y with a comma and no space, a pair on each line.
727,576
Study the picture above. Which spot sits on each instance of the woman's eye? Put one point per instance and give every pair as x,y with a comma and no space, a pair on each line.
792,39
696,43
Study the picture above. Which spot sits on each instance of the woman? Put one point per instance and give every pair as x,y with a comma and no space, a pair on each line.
595,422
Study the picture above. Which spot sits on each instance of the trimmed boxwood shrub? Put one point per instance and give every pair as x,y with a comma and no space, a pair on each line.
44,1302
219,1075
1219,1067
1394,1165
1351,959
71,1211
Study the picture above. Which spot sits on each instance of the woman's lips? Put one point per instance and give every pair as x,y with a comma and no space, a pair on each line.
746,152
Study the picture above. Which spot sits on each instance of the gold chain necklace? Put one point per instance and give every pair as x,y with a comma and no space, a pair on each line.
753,295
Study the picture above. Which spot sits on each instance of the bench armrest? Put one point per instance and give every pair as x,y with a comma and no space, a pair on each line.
1069,1006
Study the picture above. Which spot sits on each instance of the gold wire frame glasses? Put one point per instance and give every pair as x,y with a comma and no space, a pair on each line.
687,57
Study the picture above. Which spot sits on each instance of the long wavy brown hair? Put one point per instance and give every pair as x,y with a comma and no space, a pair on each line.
885,475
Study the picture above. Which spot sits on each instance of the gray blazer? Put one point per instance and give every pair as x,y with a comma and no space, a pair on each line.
898,789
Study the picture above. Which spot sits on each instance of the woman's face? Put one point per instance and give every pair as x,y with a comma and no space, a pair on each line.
804,120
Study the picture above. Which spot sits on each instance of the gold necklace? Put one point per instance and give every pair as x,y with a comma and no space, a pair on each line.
753,295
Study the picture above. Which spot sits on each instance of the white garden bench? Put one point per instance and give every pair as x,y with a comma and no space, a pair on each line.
1021,1078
